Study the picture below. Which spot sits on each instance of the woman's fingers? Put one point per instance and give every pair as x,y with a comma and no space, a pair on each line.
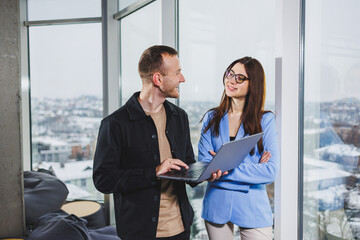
212,152
265,157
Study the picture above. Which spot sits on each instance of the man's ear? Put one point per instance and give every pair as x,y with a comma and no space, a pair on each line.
157,79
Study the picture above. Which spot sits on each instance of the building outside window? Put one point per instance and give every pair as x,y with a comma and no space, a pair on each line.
332,121
66,92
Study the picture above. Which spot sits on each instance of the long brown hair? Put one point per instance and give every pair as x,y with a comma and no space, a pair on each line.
254,102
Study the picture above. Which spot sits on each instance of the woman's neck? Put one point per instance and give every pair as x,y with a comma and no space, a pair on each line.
237,106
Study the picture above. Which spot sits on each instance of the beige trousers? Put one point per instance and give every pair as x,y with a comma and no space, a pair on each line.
226,232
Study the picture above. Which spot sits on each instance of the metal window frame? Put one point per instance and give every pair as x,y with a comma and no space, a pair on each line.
302,10
291,53
25,72
289,114
25,76
25,89
62,21
132,8
111,77
290,71
170,22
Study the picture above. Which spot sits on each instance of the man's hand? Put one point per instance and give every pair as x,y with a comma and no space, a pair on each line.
265,157
170,164
218,174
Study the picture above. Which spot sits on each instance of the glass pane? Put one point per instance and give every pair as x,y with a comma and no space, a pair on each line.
125,3
64,9
139,31
209,41
332,121
66,103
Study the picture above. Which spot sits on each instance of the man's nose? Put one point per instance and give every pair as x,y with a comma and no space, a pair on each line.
181,78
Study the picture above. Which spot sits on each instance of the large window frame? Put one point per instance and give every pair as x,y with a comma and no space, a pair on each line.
288,88
25,73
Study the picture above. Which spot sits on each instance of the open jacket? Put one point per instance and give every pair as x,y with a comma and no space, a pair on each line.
240,196
126,157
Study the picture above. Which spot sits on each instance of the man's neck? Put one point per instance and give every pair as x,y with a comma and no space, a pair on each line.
151,100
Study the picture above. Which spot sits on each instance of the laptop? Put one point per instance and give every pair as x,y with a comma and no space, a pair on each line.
229,156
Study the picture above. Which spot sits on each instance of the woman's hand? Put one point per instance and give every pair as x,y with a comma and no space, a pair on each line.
265,157
218,174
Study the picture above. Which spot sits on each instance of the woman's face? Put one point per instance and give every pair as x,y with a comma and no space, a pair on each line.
234,89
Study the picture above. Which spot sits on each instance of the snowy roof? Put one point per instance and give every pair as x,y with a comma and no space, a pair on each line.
76,193
49,140
71,170
340,149
322,170
314,131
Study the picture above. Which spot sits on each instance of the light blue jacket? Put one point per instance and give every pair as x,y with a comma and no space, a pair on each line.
240,196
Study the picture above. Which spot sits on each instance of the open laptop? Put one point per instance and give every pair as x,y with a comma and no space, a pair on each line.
229,156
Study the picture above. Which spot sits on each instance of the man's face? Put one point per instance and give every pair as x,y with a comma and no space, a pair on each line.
172,76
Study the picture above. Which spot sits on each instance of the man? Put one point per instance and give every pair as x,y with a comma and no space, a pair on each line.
144,138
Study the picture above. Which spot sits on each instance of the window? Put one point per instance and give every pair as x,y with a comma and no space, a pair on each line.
209,41
331,121
66,101
125,3
139,31
64,9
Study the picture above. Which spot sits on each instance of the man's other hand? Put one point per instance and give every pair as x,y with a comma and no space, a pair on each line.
170,164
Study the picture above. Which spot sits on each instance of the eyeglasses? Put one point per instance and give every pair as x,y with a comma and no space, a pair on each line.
239,78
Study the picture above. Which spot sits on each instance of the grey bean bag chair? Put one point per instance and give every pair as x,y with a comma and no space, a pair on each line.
62,226
43,194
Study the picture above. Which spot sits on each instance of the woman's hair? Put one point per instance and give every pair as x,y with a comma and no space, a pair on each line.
254,101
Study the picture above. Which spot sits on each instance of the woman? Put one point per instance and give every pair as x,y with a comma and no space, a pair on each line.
240,197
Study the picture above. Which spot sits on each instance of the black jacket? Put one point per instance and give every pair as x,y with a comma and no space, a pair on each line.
126,156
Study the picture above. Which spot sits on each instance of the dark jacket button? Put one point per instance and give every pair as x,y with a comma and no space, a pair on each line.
155,157
153,219
153,136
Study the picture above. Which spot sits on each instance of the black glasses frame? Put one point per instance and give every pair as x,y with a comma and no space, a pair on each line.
239,78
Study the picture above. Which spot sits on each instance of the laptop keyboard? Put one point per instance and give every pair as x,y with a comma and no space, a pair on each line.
192,174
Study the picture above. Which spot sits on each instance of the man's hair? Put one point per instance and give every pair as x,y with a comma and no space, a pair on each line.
151,61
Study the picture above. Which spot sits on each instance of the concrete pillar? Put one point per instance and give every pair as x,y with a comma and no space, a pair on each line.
11,174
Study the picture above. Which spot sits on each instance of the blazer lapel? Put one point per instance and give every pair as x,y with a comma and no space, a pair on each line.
224,129
240,133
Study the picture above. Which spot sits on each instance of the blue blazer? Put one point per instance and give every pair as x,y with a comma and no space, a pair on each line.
240,196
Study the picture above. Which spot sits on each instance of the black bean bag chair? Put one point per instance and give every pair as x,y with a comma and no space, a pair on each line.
43,193
62,226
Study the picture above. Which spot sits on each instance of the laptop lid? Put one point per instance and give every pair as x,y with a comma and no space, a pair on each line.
229,156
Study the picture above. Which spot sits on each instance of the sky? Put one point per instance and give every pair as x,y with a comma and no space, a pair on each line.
66,61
